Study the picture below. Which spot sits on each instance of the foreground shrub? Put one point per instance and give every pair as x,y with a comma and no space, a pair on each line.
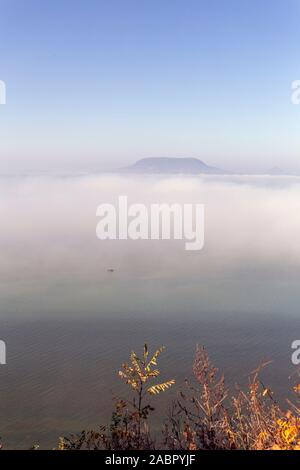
128,428
204,417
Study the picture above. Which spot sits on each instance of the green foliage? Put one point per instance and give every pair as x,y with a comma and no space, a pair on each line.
141,371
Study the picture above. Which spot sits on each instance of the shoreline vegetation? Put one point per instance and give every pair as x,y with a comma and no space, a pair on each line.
204,416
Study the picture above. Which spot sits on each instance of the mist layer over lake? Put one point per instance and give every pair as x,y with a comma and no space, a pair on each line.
73,307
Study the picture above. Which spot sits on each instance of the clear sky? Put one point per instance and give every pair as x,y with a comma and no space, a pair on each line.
95,84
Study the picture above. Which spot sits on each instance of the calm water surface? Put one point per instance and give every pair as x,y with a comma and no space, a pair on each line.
69,323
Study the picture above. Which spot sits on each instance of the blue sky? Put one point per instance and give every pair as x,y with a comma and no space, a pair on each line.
97,84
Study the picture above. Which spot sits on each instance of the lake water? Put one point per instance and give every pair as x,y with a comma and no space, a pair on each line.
69,323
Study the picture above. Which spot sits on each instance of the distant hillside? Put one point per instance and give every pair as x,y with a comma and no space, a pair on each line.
276,171
191,166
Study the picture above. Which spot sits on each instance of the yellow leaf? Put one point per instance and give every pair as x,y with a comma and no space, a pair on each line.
156,389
